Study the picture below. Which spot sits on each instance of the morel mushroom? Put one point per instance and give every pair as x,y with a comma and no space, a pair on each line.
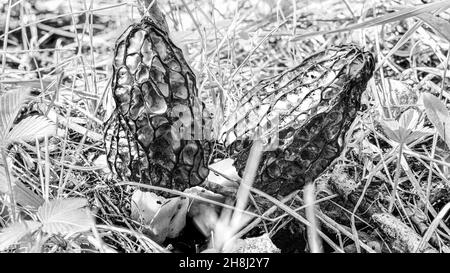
306,112
158,133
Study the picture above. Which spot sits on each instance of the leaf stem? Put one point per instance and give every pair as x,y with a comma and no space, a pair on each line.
396,178
10,185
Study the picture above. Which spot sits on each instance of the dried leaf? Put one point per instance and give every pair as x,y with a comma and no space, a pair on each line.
174,211
163,217
261,244
380,20
226,168
400,91
441,26
204,215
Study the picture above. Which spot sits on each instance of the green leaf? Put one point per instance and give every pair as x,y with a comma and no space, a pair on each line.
409,119
65,216
10,104
3,182
416,134
24,196
392,130
407,129
14,232
438,115
31,128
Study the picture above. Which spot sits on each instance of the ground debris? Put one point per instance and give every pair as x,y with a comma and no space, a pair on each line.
261,244
401,237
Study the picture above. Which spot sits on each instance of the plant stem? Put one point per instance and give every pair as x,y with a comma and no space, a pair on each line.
396,178
10,185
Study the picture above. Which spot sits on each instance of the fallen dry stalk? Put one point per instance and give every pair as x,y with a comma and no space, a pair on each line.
401,237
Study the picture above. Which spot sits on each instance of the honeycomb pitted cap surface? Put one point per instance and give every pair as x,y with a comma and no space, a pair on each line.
302,115
158,133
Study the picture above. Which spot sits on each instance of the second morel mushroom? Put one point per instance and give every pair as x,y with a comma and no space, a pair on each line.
303,114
